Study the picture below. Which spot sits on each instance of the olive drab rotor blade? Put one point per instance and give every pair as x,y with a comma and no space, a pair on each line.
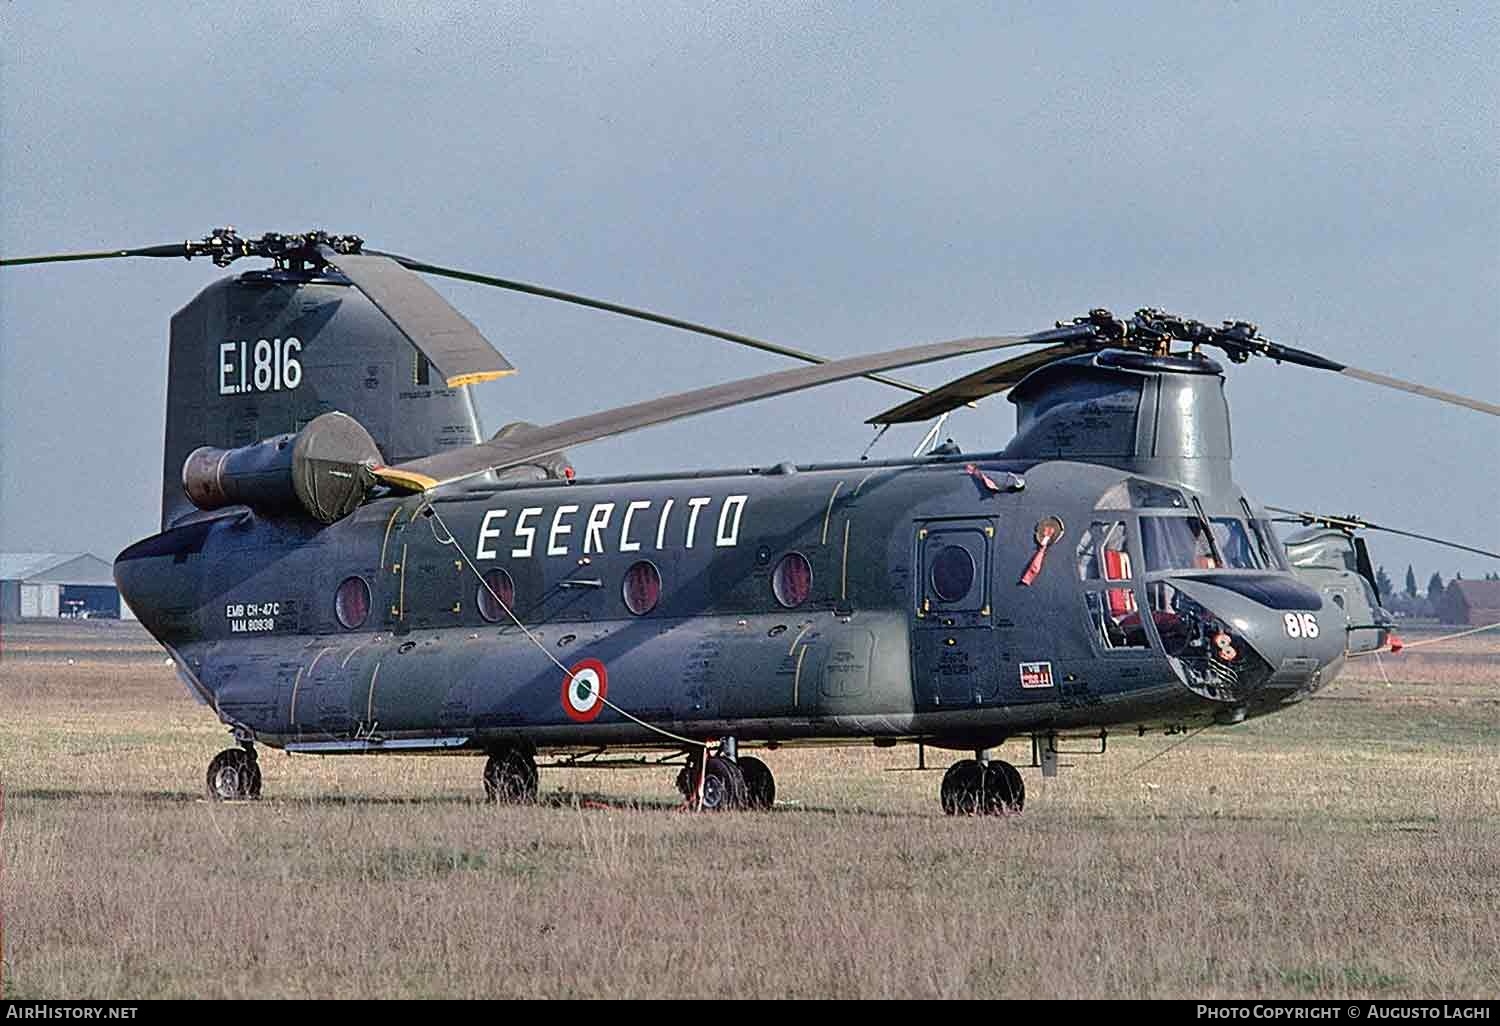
1352,523
448,339
174,249
994,378
629,311
524,447
1431,393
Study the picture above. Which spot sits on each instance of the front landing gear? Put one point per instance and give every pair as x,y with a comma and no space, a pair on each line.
973,788
510,777
234,775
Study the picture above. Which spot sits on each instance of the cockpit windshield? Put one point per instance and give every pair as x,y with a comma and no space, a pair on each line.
1180,543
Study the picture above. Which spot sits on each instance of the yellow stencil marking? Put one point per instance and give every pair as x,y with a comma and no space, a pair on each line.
370,701
296,682
805,628
401,591
345,664
386,541
829,512
844,581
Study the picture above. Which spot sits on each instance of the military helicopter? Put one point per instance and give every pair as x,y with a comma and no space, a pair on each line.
345,567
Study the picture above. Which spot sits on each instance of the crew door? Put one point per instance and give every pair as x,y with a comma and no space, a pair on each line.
954,661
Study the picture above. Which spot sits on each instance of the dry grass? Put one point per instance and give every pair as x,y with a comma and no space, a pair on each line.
1348,847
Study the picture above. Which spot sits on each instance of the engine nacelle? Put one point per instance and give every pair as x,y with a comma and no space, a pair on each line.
323,471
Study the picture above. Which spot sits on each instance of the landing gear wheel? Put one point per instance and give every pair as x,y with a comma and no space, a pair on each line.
760,786
723,785
1004,790
234,775
962,792
972,789
510,778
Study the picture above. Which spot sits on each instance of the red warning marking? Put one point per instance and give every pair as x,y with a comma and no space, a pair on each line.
584,689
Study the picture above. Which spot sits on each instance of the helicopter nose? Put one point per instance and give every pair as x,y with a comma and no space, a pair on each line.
1253,640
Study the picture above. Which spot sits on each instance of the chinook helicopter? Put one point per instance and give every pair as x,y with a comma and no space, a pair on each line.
345,565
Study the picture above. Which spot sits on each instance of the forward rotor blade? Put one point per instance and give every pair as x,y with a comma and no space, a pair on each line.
1357,524
994,378
448,339
1432,393
176,249
628,311
1287,354
524,447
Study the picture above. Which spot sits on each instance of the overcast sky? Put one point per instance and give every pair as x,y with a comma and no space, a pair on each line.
839,177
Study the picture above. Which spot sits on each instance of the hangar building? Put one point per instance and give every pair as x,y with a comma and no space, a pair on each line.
53,585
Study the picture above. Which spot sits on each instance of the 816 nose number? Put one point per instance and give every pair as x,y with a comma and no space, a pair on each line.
1301,625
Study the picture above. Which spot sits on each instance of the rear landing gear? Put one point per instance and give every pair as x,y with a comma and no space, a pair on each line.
510,777
972,788
234,775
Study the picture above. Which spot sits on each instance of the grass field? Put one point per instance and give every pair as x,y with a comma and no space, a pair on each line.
1348,847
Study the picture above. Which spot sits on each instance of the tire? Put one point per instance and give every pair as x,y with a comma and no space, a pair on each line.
962,791
1004,789
233,775
510,778
723,786
760,785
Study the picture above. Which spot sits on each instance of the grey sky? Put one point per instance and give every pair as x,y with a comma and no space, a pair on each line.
843,178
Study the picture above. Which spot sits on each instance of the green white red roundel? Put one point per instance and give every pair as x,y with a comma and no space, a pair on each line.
584,689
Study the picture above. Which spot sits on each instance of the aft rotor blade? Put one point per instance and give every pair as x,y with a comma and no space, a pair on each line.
630,311
175,249
994,378
1357,524
527,446
448,339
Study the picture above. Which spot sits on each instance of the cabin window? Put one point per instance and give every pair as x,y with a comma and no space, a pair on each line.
952,573
351,603
642,587
497,594
791,582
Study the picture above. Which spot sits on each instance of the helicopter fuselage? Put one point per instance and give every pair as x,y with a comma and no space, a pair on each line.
920,600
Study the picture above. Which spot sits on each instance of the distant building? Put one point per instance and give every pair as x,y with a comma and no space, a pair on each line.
1474,603
52,585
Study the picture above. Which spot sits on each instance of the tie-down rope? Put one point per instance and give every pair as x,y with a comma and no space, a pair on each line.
573,679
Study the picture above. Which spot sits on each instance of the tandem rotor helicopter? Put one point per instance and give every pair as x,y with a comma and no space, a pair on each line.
346,566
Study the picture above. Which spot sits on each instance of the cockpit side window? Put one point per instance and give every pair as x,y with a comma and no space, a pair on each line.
1270,544
1234,544
1176,543
1180,543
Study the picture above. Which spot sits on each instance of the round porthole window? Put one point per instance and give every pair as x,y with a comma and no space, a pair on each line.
496,595
642,588
352,602
792,580
952,573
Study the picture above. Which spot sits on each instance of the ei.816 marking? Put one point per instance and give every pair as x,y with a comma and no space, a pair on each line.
265,365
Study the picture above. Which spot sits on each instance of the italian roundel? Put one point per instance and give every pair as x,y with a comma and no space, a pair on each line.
584,689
